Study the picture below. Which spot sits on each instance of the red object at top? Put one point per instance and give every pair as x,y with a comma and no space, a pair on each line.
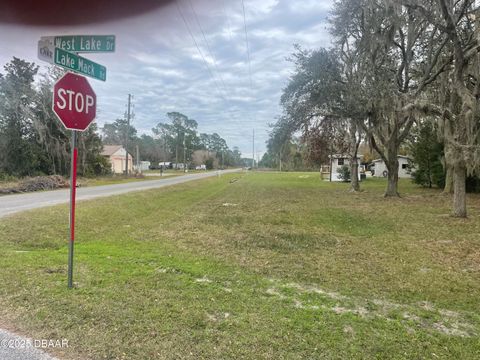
74,102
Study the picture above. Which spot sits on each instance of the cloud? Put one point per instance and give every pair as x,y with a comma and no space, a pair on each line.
158,61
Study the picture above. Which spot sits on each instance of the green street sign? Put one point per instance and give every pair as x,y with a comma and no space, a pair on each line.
83,43
79,64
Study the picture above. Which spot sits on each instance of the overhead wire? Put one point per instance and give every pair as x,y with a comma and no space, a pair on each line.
228,20
199,50
214,59
249,71
247,45
211,71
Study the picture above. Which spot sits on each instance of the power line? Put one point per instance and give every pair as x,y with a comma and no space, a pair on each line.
228,20
248,47
250,77
214,58
199,51
208,46
202,55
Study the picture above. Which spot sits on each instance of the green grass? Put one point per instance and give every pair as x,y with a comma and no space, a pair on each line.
271,266
111,180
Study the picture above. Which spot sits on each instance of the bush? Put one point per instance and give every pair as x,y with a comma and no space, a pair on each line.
7,178
473,184
98,166
344,173
209,164
427,154
431,175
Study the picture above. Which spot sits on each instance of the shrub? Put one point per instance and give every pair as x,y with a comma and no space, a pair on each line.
344,173
209,163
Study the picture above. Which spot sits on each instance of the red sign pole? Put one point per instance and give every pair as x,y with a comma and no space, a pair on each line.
73,193
75,104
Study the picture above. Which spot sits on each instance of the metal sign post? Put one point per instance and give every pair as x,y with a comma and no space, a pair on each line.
75,104
74,101
73,193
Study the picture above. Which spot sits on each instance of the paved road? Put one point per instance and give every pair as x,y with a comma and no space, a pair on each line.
14,347
10,204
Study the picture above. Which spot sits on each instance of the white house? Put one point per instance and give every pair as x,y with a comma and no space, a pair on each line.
144,165
337,162
404,167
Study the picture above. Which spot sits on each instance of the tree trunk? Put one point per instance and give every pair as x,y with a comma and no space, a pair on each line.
354,143
392,184
354,174
459,191
448,189
176,157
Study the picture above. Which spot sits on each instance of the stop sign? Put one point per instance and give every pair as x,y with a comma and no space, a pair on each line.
74,102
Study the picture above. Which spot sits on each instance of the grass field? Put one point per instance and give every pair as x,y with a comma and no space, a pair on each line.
271,266
119,179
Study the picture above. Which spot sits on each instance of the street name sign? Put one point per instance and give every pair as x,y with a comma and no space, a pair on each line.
83,43
47,52
74,102
79,64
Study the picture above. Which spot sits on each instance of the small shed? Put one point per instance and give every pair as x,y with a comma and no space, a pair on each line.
117,155
144,165
379,169
336,163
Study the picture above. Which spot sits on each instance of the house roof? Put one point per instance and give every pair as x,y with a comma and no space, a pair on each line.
342,156
398,156
109,150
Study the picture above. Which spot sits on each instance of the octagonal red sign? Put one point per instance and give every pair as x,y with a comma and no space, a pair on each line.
74,102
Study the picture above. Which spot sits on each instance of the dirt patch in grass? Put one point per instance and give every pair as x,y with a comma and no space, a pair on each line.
423,315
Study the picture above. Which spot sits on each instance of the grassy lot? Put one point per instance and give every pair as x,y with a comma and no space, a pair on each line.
271,266
111,180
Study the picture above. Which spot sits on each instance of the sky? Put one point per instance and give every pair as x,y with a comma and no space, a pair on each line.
191,56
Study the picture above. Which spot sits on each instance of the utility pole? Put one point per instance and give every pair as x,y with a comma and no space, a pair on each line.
164,147
253,149
176,150
127,133
184,155
138,158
